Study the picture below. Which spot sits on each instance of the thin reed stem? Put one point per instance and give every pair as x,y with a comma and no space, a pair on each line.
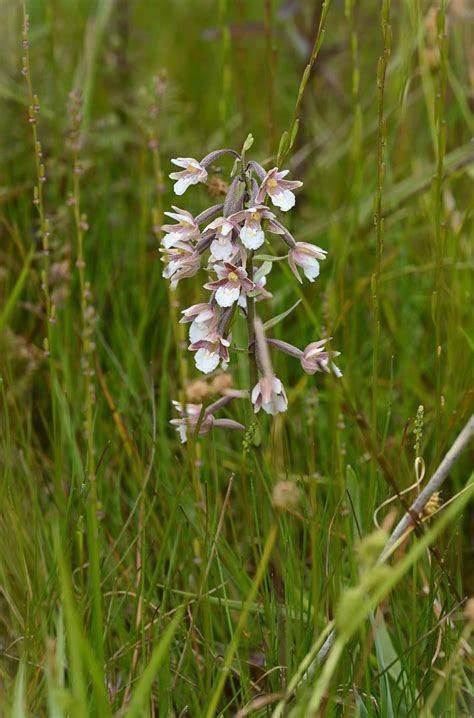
379,220
242,622
271,61
38,201
439,237
88,373
289,136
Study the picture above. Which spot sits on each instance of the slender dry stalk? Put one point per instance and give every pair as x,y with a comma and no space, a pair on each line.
434,484
412,515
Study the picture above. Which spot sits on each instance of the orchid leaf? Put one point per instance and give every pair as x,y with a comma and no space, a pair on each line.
273,322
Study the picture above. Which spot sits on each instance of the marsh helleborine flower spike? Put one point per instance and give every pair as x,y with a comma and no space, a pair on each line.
233,230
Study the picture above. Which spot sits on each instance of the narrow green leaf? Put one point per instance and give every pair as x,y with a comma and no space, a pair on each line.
273,322
142,691
16,291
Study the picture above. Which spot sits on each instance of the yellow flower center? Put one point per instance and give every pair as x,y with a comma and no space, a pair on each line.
183,223
272,182
191,168
255,216
232,277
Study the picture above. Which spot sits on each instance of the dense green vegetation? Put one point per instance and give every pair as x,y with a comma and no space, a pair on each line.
143,577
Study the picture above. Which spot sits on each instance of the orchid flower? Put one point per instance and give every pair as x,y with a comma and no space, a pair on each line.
251,233
185,231
193,173
269,394
203,318
180,261
316,358
306,256
190,415
222,248
278,189
231,283
210,351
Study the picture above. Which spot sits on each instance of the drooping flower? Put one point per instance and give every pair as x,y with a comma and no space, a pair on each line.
231,283
190,415
189,418
251,233
222,247
193,173
306,256
269,394
316,358
278,189
210,352
203,318
185,231
180,261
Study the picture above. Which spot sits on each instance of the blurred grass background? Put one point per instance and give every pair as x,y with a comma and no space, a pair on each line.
95,563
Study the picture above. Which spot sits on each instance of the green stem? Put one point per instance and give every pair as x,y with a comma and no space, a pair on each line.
379,221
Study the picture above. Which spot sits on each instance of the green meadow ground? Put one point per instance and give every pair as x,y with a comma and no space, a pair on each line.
140,577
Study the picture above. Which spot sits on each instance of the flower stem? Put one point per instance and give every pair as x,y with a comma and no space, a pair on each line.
253,373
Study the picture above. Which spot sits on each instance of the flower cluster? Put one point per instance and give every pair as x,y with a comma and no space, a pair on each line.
223,240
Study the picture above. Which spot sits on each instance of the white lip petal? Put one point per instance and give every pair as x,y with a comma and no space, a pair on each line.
285,200
250,238
222,250
277,405
270,408
336,370
206,361
226,228
226,296
198,331
311,271
182,185
169,240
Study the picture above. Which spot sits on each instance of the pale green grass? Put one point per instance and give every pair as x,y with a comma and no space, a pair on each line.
139,577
